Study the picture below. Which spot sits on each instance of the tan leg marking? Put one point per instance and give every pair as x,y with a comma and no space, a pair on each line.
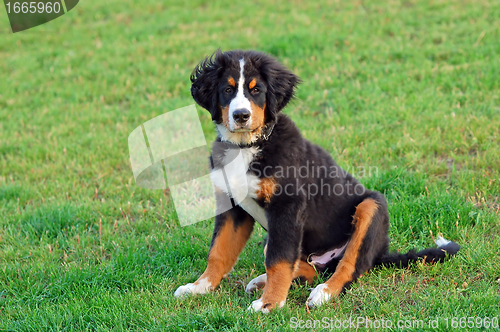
279,279
225,251
305,271
347,265
302,270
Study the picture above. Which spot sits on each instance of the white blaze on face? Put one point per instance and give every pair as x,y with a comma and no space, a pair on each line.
240,101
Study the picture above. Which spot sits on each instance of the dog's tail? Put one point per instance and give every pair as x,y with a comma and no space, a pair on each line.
444,250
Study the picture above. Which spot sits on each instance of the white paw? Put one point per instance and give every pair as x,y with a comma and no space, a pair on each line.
258,305
199,287
256,283
318,296
441,241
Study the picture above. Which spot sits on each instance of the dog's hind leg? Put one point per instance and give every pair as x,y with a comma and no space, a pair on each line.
368,241
256,283
303,272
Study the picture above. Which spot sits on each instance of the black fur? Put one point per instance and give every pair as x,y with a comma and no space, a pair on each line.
280,82
430,255
299,224
204,87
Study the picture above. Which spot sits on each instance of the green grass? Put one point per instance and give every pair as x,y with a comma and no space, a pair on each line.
410,88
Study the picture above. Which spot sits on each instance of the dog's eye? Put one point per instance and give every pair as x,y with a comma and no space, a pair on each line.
228,90
255,90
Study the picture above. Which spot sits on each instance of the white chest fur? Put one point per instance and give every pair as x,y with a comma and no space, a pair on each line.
241,184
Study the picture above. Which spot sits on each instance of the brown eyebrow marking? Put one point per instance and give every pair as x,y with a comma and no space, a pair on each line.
252,84
231,82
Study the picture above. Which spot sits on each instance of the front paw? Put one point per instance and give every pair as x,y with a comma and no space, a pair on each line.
319,295
265,306
199,287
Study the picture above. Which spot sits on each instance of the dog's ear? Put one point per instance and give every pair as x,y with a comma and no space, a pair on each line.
282,84
204,85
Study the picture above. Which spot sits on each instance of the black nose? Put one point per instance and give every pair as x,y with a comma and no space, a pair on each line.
241,115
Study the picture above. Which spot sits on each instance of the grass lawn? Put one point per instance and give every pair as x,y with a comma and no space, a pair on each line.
408,90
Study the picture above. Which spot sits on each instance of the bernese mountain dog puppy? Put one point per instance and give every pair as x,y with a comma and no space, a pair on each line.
317,216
